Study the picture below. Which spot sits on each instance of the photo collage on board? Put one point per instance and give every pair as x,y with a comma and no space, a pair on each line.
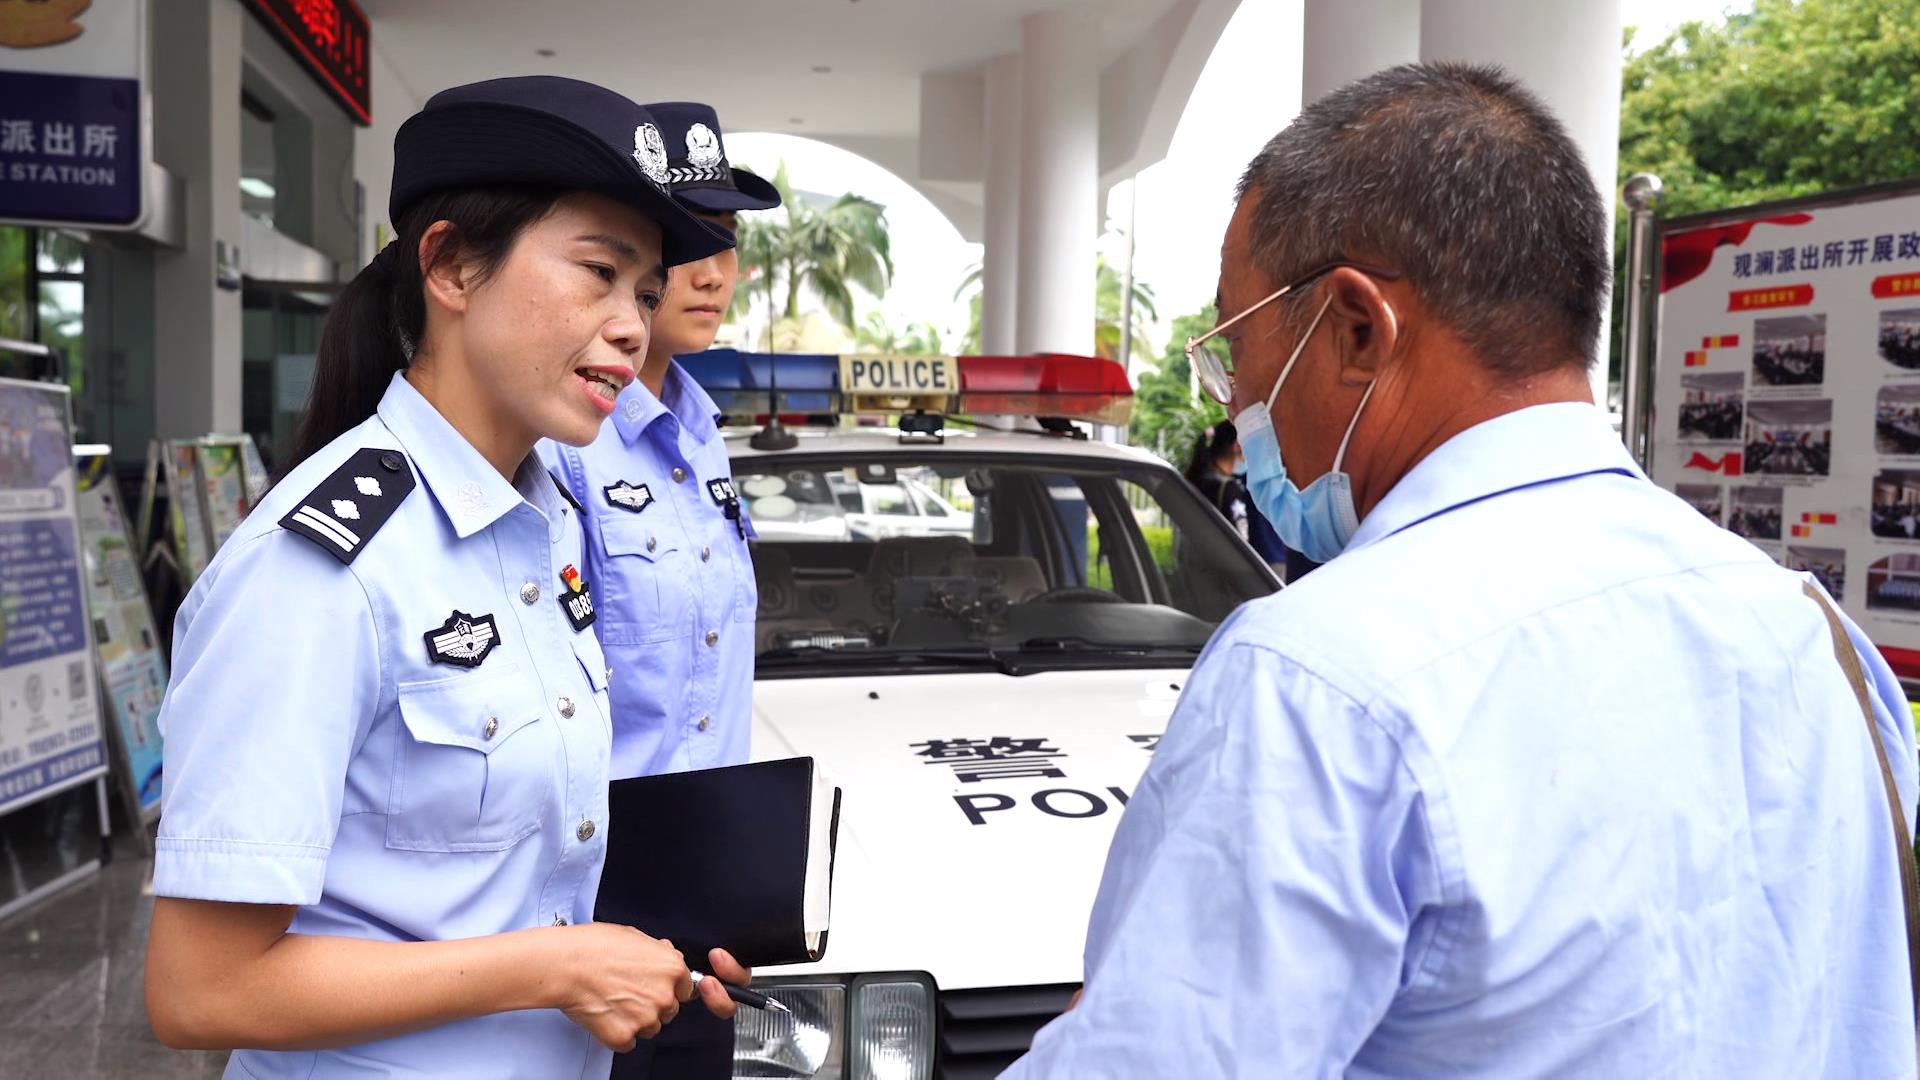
1893,578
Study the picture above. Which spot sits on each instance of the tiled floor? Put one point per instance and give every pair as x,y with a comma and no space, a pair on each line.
71,1003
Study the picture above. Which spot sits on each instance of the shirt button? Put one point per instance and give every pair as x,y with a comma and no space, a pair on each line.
609,672
529,593
559,920
652,542
585,831
706,553
493,725
679,474
566,706
704,722
713,637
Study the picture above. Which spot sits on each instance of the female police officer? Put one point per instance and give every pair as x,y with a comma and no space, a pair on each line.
387,734
667,540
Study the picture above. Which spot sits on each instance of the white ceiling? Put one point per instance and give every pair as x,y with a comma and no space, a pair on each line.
752,59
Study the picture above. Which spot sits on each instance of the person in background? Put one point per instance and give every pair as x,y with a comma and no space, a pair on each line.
1217,470
667,540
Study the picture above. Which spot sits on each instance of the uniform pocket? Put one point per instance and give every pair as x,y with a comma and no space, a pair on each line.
636,609
475,768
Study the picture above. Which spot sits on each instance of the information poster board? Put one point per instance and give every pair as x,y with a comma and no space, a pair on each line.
187,516
223,483
1787,392
133,671
50,736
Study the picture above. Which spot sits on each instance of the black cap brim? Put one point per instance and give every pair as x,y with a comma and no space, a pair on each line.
750,191
472,145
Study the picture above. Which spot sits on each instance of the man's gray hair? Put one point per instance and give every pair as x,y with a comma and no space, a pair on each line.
1461,179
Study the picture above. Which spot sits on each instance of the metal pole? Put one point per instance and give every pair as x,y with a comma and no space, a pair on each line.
1126,287
1642,195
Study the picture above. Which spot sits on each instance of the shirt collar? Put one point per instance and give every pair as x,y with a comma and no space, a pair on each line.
680,396
466,487
1519,449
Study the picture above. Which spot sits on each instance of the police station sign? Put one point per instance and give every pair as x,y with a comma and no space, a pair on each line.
72,137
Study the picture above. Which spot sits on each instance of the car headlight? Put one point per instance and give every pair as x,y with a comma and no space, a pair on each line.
892,1027
808,1043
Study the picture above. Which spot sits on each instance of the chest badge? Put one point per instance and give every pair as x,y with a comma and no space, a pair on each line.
576,599
632,498
463,640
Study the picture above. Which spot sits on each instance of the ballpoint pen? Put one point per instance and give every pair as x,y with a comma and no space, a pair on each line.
745,996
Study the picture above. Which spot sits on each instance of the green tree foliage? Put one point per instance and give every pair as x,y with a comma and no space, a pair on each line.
15,317
1167,417
816,248
1793,99
876,335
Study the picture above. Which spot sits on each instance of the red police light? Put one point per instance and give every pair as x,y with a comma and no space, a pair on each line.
1049,384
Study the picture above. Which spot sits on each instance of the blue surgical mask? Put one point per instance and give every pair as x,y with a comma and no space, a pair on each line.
1316,522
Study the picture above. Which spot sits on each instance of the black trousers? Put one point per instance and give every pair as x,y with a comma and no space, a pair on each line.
697,1045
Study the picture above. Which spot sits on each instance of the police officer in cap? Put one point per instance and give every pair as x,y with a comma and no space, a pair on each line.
387,729
666,538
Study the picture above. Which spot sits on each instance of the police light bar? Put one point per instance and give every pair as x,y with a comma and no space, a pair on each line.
802,388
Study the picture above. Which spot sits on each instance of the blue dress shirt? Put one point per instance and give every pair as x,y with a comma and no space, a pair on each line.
671,577
1545,775
318,755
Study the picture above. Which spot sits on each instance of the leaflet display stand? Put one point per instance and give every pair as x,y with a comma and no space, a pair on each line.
133,670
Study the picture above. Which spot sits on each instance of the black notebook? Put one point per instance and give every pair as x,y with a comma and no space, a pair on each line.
740,858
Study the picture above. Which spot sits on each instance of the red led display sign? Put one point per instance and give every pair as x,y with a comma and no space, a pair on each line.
332,38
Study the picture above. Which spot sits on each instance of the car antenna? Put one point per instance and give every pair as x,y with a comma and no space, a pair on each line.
774,436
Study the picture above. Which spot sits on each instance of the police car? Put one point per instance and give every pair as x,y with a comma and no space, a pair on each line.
986,693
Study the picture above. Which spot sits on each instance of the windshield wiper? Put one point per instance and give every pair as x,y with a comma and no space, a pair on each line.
1084,645
982,658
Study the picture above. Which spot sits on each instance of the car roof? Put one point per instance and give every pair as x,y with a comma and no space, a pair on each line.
878,440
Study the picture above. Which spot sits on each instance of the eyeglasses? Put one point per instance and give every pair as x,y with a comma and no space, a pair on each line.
1211,357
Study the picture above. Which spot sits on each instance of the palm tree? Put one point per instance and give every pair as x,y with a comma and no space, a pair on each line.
1109,308
1107,311
825,249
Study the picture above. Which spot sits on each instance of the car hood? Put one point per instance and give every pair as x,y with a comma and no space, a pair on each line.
976,811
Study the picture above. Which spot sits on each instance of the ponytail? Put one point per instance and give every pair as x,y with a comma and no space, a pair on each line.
378,320
1213,444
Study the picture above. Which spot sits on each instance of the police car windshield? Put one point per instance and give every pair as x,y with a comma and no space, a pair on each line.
961,559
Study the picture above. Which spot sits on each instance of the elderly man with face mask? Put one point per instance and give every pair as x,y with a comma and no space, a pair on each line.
1542,774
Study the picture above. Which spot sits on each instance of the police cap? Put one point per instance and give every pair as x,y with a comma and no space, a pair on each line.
547,131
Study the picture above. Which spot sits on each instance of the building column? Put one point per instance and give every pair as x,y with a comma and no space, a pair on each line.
1000,262
1059,210
1565,51
196,135
1344,40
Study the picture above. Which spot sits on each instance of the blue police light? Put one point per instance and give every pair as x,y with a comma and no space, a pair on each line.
743,385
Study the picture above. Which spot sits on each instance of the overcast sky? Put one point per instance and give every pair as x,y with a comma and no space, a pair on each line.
1184,201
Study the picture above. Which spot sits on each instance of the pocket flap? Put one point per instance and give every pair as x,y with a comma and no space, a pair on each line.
635,536
479,712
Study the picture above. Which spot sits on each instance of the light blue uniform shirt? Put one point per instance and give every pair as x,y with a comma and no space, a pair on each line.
316,755
671,577
1546,775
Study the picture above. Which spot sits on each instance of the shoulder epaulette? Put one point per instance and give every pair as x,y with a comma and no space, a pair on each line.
348,507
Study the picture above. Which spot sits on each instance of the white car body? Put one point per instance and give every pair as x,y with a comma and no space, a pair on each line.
983,883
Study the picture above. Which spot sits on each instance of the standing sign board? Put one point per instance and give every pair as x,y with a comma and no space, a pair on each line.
1787,392
223,480
179,465
50,736
133,672
73,131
